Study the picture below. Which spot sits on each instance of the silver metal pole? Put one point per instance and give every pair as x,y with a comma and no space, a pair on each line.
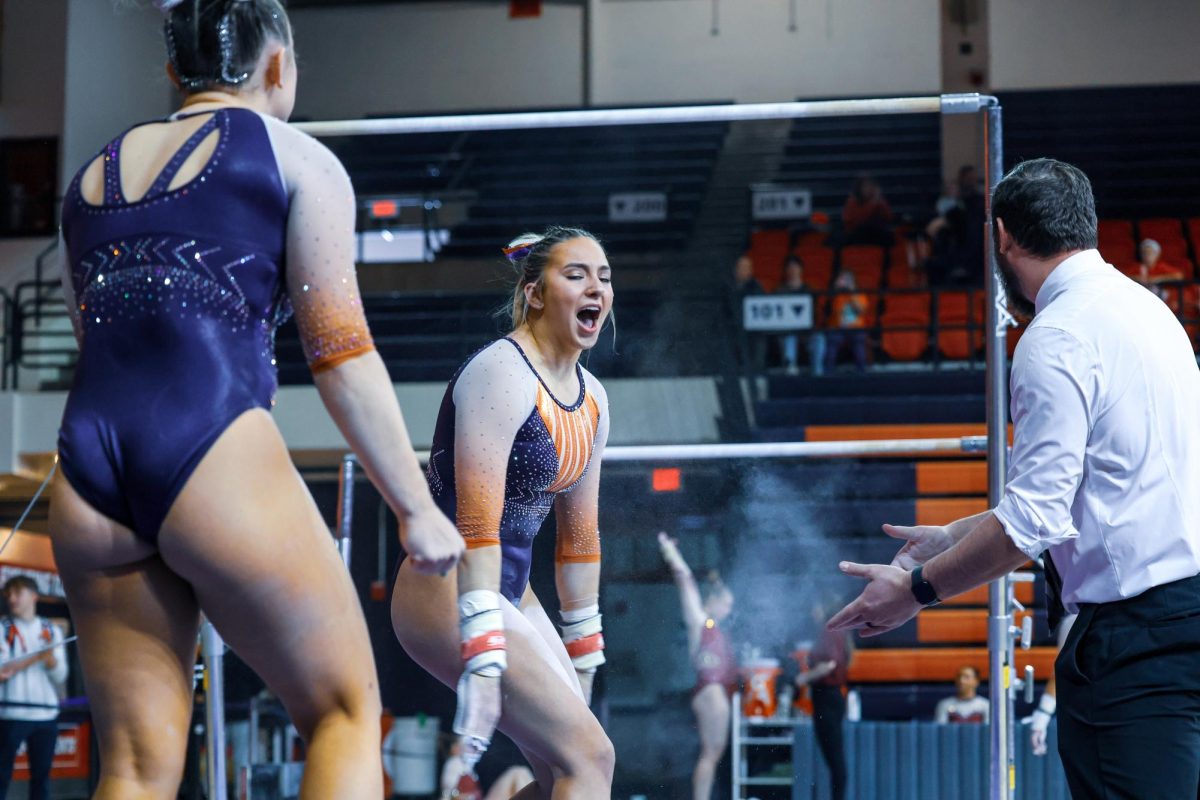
1002,771
345,507
212,649
969,103
252,756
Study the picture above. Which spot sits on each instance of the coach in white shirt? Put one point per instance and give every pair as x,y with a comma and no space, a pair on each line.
1105,474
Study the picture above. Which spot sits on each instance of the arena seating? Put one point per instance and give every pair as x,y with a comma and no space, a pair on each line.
527,180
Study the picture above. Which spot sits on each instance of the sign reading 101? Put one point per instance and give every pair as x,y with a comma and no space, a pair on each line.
778,312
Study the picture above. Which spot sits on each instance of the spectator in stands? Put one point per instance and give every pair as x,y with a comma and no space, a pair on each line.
1151,268
866,216
956,235
847,321
789,343
966,705
33,664
746,285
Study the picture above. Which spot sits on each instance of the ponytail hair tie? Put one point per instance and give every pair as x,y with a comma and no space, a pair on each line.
521,246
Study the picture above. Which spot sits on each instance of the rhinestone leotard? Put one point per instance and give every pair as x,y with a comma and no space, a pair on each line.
177,298
505,451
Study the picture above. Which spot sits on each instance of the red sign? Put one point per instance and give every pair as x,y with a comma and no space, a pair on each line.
71,753
524,8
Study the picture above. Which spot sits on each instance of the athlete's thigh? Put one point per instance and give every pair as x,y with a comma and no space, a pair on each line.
711,707
247,535
556,652
137,624
542,714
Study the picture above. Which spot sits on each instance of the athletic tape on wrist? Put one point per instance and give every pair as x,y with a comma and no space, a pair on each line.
587,653
477,601
1048,704
580,614
481,626
579,630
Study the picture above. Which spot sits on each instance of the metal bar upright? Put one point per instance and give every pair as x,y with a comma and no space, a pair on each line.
345,507
212,648
1002,775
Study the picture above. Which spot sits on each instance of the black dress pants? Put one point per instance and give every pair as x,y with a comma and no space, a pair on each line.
1129,697
39,739
829,709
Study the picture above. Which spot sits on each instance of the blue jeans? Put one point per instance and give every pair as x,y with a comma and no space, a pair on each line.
39,738
816,351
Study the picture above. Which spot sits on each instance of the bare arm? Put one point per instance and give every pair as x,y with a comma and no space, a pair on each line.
350,376
689,593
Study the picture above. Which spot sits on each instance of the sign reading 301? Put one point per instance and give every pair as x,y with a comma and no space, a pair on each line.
637,207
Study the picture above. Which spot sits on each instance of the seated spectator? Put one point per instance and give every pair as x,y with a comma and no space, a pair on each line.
1151,267
966,705
956,235
789,343
847,321
746,285
866,216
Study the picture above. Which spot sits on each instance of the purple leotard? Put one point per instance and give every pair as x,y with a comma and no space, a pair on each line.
178,296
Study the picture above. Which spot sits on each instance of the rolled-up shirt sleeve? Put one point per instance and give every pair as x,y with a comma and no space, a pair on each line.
1054,389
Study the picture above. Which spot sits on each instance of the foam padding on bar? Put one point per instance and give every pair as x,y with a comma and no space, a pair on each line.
952,477
910,664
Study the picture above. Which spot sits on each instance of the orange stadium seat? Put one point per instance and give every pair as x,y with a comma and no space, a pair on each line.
818,264
910,313
866,262
955,313
1160,229
768,249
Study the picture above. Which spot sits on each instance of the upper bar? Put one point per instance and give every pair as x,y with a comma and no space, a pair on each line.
938,104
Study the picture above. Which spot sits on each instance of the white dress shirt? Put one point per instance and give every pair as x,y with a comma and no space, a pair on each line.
34,689
1105,465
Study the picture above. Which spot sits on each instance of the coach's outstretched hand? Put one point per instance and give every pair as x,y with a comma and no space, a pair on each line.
885,604
921,543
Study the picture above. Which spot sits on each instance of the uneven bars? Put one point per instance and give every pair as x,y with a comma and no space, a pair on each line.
716,452
969,103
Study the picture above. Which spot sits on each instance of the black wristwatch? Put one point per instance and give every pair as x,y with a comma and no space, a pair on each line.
923,590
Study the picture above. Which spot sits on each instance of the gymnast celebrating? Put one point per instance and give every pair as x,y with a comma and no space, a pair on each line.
522,429
712,655
178,495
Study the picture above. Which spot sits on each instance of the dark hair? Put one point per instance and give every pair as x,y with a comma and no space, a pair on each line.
1047,207
20,582
529,253
217,43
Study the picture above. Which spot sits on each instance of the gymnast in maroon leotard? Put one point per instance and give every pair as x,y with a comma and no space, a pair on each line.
711,654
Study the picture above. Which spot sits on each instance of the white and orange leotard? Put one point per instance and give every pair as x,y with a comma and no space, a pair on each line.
506,450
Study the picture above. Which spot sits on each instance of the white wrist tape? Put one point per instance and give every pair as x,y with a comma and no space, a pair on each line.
481,624
1040,721
582,633
1048,704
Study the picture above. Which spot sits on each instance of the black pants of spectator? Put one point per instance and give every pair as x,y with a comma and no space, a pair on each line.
1129,697
829,709
834,338
39,738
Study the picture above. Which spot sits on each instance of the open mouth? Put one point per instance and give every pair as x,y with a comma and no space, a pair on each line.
589,318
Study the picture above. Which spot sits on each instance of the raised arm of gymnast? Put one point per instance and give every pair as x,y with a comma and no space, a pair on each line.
689,592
